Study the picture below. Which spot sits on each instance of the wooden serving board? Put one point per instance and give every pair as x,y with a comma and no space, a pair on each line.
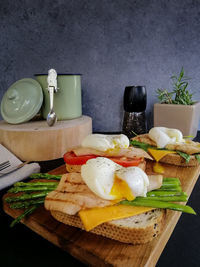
36,141
96,250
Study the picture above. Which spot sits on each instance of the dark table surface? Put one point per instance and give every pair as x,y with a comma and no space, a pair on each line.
20,246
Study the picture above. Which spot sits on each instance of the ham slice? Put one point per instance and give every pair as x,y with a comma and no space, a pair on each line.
72,195
155,182
130,152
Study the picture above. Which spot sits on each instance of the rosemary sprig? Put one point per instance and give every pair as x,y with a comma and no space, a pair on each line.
180,95
164,96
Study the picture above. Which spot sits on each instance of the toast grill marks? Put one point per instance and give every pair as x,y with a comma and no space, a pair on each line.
72,183
144,138
72,195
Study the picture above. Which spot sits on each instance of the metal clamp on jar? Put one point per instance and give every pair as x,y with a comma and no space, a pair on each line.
134,121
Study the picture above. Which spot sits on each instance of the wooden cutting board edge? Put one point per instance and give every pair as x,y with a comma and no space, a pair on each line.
169,227
87,256
73,249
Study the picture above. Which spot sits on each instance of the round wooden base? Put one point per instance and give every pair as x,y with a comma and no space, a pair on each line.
36,141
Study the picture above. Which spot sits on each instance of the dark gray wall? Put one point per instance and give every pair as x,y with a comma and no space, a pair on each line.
112,43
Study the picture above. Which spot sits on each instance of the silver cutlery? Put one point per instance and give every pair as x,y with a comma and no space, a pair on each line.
52,87
14,168
4,165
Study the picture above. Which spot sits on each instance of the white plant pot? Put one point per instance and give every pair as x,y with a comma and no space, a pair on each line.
182,117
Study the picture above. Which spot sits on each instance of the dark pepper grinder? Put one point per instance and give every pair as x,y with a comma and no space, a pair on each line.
135,102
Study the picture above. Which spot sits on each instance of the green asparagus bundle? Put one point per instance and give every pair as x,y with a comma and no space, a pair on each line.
169,192
29,200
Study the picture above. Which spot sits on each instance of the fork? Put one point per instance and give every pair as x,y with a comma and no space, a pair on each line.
4,165
14,168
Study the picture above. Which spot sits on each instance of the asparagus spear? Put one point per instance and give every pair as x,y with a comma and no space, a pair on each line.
164,193
176,188
25,196
45,176
30,189
159,204
49,184
171,181
25,213
26,204
177,198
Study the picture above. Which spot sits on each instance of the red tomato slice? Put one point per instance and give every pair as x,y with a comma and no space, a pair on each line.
127,162
72,159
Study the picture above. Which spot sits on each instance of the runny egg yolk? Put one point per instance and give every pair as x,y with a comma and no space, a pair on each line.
120,189
117,145
158,168
115,151
112,151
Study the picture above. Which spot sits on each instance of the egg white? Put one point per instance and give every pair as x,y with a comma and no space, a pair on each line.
164,136
100,175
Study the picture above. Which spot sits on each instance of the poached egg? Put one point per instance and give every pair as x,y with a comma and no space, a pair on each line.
104,142
111,181
164,136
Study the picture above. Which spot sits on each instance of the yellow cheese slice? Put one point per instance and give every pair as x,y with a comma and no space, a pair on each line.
159,154
96,216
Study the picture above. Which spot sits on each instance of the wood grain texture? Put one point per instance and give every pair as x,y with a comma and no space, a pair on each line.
99,251
36,141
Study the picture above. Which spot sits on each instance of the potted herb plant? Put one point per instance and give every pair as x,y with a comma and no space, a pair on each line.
177,108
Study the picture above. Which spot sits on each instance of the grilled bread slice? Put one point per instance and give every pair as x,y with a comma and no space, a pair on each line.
138,229
177,160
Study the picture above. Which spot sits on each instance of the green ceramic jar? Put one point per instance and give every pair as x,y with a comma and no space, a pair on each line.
22,101
67,100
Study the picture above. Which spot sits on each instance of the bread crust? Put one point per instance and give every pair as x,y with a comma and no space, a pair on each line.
126,230
177,160
73,168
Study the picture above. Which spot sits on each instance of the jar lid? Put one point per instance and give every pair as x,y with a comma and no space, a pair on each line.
22,101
